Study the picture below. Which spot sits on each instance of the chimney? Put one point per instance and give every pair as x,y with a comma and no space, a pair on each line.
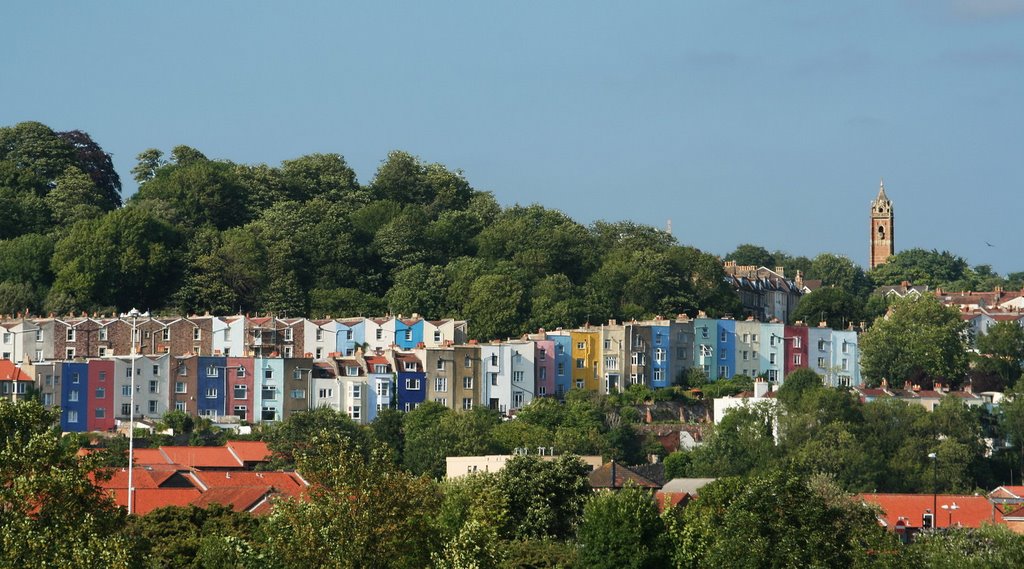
781,271
761,388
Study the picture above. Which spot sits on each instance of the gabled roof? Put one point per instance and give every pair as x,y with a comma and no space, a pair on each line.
149,499
149,456
11,372
202,457
250,451
240,499
602,477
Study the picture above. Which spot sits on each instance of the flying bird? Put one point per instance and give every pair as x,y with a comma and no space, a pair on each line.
989,244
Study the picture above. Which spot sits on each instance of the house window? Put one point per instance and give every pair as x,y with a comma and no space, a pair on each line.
241,391
467,382
559,349
101,393
71,334
494,359
319,354
268,374
352,371
746,338
154,386
542,391
771,340
354,411
288,351
165,334
581,345
152,406
821,345
846,364
178,406
269,392
179,387
611,362
579,384
440,384
47,399
383,389
319,334
380,368
517,399
72,416
409,366
211,371
771,359
494,378
518,376
156,370
797,359
659,355
298,394
634,378
326,393
797,341
724,336
543,373
240,371
561,368
437,336
288,334
126,409
348,334
75,377
182,369
70,353
723,371
268,414
658,374
296,373
753,338
103,334
355,391
467,403
211,393
73,396
542,354
39,335
468,362
846,347
197,334
745,354
580,363
408,334
821,363
241,411
380,333
412,384
440,365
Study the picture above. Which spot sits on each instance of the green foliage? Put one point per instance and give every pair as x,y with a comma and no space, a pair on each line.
921,267
51,513
622,529
190,536
361,511
1003,345
295,435
748,254
990,547
778,520
919,336
835,306
545,498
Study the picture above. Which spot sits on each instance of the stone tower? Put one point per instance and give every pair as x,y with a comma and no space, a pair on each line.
881,229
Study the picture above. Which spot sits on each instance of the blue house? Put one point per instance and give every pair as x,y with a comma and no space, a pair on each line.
725,361
408,333
351,335
411,380
74,396
212,386
563,363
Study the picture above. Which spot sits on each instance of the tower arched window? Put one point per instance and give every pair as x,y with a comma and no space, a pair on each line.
881,232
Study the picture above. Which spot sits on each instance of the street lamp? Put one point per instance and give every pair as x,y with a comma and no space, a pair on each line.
134,315
935,486
950,508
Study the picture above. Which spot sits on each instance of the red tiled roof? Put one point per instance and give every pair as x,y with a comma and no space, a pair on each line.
285,482
250,451
602,477
240,499
202,457
149,499
972,511
147,456
11,372
666,500
373,360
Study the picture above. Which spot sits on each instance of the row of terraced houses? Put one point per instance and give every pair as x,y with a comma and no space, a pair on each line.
259,369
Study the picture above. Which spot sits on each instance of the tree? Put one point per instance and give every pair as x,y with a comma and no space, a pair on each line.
622,529
748,254
174,536
198,190
797,383
74,198
545,498
990,546
741,443
320,175
920,335
833,305
494,307
920,267
779,519
294,436
98,165
840,272
51,514
1003,345
360,511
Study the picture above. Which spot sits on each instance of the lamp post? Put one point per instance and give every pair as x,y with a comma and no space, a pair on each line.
134,314
935,486
950,508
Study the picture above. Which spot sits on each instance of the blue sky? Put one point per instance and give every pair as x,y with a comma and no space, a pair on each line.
763,122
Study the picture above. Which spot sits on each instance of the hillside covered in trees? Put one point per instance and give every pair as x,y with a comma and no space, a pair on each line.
307,238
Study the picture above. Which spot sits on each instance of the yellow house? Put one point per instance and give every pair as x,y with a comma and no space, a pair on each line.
585,355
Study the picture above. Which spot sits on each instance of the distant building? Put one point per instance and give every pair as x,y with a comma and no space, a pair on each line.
882,244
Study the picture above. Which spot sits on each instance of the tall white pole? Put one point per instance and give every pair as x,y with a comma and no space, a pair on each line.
131,410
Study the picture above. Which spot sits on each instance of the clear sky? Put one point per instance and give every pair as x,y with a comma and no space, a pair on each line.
762,122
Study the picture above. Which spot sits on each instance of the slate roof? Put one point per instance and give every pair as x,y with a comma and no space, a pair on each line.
602,477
